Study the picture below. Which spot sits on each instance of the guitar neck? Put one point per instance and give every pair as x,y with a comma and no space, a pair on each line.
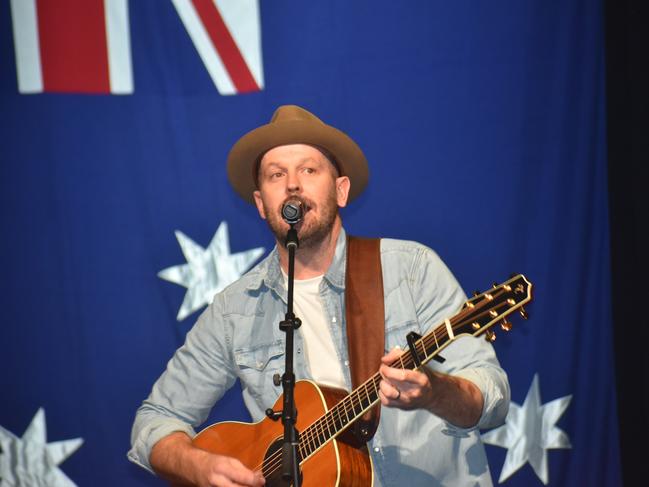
476,316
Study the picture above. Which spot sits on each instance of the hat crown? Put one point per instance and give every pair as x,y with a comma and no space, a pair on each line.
287,113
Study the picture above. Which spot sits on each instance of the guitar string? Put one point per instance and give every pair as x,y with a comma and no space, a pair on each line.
310,435
271,463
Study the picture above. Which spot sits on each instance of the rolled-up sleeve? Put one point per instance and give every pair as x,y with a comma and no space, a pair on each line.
494,386
196,377
438,296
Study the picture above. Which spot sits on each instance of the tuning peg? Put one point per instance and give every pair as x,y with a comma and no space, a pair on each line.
476,292
506,325
495,284
524,313
512,275
490,336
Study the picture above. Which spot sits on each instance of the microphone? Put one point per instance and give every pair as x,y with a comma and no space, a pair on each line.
292,211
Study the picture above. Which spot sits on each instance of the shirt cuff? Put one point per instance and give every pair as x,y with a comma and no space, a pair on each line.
492,405
149,436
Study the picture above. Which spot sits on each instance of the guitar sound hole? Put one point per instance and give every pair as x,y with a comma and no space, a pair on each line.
272,469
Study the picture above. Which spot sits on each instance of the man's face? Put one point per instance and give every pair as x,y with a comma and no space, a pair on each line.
300,172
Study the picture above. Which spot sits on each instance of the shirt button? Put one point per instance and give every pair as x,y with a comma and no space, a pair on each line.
377,449
299,350
346,363
333,319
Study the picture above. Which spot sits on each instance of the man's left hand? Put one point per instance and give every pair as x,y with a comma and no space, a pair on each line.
454,399
403,388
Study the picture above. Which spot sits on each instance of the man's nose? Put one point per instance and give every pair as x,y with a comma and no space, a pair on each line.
293,183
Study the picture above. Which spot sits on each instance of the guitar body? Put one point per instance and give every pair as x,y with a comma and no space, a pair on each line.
338,462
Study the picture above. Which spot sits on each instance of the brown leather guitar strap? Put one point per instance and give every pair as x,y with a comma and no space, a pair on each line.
365,317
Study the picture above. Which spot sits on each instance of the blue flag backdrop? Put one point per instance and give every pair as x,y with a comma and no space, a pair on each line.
484,127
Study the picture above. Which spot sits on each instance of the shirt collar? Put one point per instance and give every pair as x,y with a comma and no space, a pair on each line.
270,272
335,275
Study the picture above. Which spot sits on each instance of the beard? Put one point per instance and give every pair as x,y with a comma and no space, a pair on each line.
311,231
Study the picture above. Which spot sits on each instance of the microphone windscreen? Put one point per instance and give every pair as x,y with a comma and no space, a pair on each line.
292,211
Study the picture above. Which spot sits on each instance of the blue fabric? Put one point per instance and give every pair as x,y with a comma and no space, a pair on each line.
483,124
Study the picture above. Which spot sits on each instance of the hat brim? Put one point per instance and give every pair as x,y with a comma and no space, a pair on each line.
248,150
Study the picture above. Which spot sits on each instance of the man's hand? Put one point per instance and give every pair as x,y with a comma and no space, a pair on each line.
453,399
402,388
177,460
221,471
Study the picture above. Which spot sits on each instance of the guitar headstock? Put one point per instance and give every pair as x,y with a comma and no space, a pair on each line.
484,310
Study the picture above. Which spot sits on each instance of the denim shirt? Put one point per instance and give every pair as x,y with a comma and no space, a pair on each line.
237,337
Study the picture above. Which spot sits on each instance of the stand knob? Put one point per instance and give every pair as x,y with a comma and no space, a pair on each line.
274,415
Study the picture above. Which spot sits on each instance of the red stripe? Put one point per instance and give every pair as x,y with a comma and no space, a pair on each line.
74,54
224,43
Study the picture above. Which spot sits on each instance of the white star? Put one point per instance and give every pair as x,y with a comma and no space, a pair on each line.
528,432
207,271
32,461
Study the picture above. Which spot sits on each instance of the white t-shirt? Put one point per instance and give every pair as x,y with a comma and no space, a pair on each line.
320,351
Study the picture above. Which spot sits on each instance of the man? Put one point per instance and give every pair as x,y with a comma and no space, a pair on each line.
427,433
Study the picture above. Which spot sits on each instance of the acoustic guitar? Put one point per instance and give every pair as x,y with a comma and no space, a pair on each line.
329,454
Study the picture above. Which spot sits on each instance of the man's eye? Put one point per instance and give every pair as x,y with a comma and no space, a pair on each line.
309,170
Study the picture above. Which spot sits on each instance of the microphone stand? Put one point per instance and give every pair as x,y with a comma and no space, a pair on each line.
290,460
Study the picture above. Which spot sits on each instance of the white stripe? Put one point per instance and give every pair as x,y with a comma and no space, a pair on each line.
242,20
449,329
118,39
203,44
27,46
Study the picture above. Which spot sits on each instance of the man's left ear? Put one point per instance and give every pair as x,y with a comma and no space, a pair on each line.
259,204
342,190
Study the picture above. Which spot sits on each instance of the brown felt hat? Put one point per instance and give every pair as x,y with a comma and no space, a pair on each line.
294,125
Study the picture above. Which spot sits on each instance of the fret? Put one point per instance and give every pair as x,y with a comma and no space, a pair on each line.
423,349
323,429
347,418
357,405
362,400
301,450
371,394
337,420
322,437
352,400
329,423
321,434
342,421
376,380
435,336
305,439
308,440
317,435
